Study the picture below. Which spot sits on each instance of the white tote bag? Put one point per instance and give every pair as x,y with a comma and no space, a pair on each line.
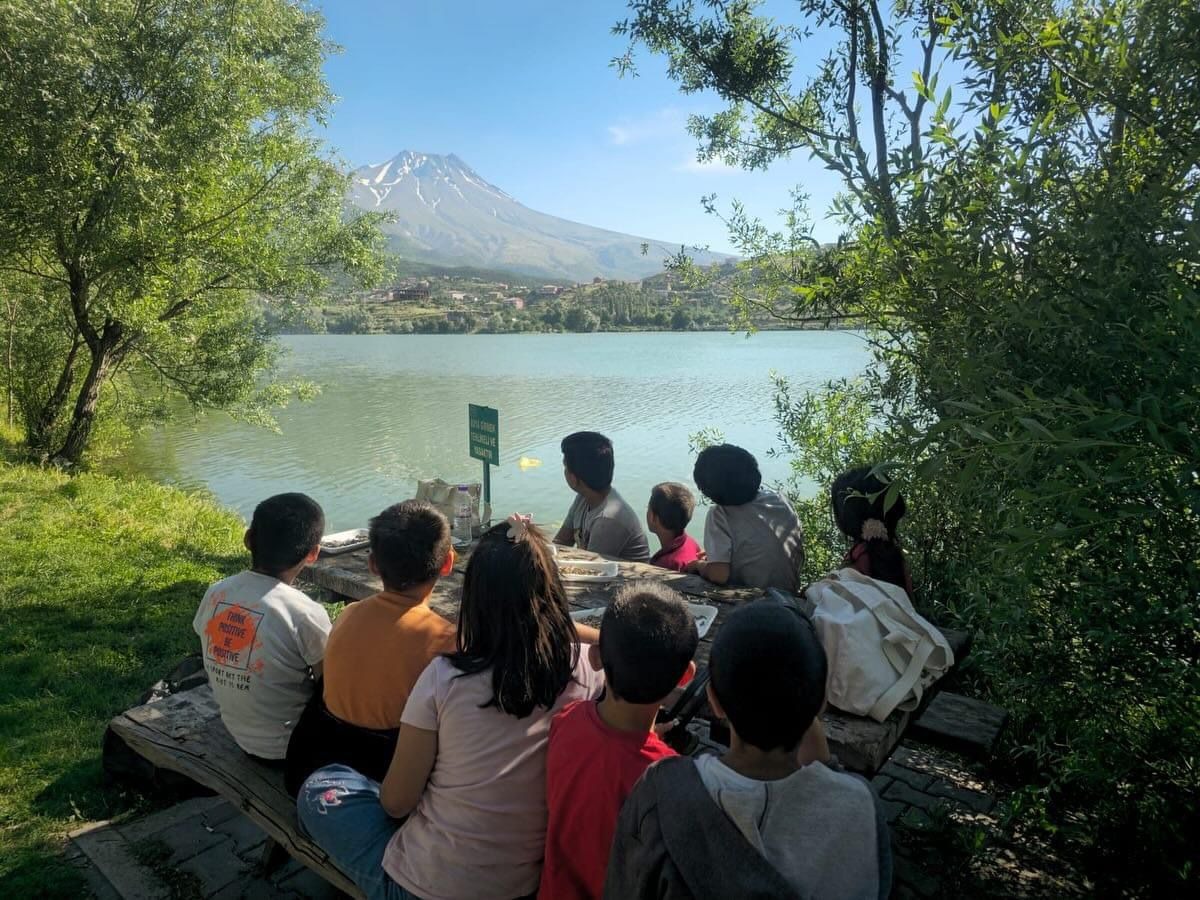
882,653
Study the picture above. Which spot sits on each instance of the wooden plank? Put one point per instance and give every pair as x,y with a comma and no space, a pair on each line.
861,744
960,723
184,733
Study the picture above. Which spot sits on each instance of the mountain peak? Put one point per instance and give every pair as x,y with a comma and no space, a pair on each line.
446,212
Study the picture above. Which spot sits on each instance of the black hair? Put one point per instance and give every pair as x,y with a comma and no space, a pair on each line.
768,672
727,475
647,639
283,530
588,455
859,496
515,622
673,504
409,542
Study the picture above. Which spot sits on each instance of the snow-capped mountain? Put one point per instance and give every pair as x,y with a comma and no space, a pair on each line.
447,213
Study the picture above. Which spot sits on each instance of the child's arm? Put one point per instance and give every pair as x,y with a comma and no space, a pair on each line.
715,562
566,535
416,749
587,634
716,572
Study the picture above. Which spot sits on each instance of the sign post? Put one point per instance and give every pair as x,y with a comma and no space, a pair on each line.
483,432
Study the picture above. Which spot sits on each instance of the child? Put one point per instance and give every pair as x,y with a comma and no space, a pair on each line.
461,814
599,749
860,512
772,817
262,639
752,537
670,510
599,519
378,648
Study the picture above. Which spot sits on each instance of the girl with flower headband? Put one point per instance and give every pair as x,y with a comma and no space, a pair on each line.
859,512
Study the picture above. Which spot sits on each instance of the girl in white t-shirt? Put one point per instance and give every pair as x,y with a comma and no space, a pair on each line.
468,777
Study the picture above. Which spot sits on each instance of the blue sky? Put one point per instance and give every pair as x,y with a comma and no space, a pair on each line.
523,92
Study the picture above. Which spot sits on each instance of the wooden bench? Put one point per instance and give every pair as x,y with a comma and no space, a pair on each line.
184,733
861,744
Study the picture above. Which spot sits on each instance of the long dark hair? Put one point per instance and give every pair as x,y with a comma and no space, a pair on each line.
515,621
858,496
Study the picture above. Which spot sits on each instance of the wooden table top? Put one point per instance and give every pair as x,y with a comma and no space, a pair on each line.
861,744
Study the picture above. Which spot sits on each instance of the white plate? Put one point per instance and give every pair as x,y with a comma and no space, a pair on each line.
703,614
355,538
590,570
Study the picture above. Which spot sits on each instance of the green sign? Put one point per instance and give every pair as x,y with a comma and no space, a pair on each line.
484,432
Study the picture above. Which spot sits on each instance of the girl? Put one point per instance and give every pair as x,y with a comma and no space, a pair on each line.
469,769
858,511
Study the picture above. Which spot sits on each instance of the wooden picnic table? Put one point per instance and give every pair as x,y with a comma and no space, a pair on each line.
860,743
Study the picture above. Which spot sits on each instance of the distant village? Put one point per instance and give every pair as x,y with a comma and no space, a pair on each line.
457,301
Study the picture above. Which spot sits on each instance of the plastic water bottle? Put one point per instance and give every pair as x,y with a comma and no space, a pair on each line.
460,531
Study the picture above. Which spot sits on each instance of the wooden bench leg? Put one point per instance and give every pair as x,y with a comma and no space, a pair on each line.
273,856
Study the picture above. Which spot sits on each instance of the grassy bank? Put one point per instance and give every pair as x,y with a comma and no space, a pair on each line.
99,578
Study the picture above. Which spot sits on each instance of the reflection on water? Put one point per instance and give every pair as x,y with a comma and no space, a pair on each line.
393,409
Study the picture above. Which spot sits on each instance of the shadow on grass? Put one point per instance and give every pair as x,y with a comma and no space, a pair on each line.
65,671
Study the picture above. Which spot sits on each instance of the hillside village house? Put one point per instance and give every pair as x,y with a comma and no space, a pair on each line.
515,302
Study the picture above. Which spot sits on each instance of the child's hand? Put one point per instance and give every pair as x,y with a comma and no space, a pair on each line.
661,728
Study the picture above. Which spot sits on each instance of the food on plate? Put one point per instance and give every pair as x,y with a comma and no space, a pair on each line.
334,542
577,570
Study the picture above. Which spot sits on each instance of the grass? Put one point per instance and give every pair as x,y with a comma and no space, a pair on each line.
99,579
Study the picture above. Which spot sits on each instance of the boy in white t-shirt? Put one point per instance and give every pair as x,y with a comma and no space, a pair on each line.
263,640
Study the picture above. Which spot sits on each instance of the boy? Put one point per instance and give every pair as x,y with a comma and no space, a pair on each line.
598,520
773,817
752,537
262,639
599,749
670,510
378,648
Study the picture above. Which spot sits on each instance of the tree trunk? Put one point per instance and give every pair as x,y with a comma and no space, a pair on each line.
104,357
8,365
40,430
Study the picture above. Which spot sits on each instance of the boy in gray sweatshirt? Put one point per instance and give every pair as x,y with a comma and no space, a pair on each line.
775,816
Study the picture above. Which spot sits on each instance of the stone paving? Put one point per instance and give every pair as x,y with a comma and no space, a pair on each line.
204,849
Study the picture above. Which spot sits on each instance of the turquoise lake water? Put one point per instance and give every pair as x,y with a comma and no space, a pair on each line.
393,410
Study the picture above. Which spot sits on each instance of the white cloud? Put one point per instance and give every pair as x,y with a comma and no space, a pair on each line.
709,167
668,122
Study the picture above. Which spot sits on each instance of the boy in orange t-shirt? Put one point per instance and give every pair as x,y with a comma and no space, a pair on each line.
379,647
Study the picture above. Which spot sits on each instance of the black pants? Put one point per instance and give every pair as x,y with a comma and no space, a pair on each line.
321,739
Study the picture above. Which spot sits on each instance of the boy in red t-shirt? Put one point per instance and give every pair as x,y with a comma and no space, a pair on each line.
670,510
599,748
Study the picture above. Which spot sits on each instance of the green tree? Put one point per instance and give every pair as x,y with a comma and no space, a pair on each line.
580,318
159,171
681,319
552,313
1021,247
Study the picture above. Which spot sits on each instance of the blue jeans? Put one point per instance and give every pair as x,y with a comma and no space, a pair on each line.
339,810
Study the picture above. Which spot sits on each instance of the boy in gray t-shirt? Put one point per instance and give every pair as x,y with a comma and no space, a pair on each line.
752,537
775,816
599,519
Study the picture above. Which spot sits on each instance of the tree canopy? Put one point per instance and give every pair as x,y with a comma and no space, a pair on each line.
1019,240
157,171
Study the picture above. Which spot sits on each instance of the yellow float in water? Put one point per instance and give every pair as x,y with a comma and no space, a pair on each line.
528,462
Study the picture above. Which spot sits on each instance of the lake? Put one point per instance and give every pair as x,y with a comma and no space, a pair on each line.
393,410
